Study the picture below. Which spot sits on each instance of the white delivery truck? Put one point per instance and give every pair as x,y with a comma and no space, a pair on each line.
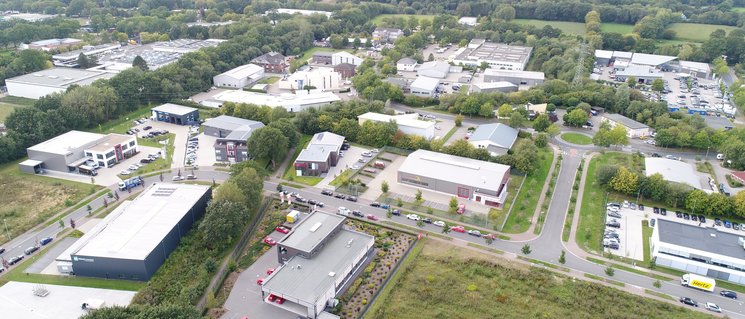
698,282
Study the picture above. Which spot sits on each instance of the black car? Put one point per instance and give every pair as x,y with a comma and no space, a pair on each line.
663,212
340,196
344,146
352,199
396,212
45,240
728,294
678,214
717,222
688,301
641,207
312,202
735,226
147,127
375,204
319,204
15,260
357,213
694,218
686,216
655,210
614,224
427,220
327,192
301,200
145,160
701,218
2,250
656,155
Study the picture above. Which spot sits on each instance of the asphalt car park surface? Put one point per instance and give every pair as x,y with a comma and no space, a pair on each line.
630,238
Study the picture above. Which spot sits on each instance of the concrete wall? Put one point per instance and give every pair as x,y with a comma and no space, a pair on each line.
428,132
55,162
185,119
30,91
448,187
516,80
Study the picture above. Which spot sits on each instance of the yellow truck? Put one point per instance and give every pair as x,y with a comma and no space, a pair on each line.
698,282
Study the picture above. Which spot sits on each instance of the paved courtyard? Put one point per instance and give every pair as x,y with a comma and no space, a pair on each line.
349,160
631,243
181,132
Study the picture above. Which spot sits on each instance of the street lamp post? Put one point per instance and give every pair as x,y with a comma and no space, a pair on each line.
7,234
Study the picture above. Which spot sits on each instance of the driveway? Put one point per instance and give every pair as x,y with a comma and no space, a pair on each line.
206,150
182,134
388,174
348,161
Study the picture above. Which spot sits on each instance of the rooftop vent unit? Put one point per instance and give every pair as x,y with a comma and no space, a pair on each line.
332,274
349,243
315,227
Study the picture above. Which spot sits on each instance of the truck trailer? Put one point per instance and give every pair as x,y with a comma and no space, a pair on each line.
130,183
698,282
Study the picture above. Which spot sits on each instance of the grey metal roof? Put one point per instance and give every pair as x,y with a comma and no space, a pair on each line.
440,66
700,238
315,153
445,167
230,123
498,133
270,58
639,71
306,234
625,121
490,51
406,60
323,53
651,59
313,278
515,74
425,83
673,171
718,122
174,109
327,138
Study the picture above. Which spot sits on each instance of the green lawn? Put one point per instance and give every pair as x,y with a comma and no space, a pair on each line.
738,9
290,173
122,124
617,27
29,200
696,32
6,109
519,219
378,19
446,281
17,100
592,212
576,138
576,28
310,52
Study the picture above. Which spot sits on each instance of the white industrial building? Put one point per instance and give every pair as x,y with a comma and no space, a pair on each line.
407,123
297,102
300,12
672,171
54,80
519,78
316,77
155,55
70,58
469,21
496,55
633,128
434,69
697,69
345,57
424,86
487,87
496,138
239,77
701,250
406,64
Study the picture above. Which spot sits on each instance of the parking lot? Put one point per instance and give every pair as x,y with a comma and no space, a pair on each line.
389,174
348,161
629,240
181,133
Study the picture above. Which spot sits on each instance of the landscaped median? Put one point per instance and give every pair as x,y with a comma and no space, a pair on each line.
521,213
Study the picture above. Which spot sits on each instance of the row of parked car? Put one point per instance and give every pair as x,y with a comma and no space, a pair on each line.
14,260
611,236
192,145
339,195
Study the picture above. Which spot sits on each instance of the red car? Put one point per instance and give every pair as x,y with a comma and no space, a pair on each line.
269,241
260,281
490,236
461,209
269,271
372,217
459,229
280,300
283,230
272,298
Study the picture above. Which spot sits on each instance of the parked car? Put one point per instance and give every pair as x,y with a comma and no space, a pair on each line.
712,307
678,214
147,127
717,222
385,206
688,301
694,218
357,213
614,224
686,216
352,199
269,271
655,210
614,214
177,178
31,250
340,196
413,217
375,204
701,218
728,294
474,232
45,240
269,241
367,154
439,223
490,236
15,260
327,192
727,224
459,229
396,212
282,229
260,281
461,209
663,211
641,207
2,250
372,217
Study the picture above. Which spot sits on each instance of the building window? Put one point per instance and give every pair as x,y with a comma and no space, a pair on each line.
110,154
89,154
132,143
99,156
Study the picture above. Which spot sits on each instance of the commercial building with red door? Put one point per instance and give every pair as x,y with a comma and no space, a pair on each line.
111,149
466,178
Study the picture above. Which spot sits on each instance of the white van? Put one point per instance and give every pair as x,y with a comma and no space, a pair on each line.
343,211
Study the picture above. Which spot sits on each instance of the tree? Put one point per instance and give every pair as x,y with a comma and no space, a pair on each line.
458,120
83,61
418,195
562,257
602,137
517,119
229,191
140,63
610,271
658,85
446,228
147,311
289,130
223,222
625,181
697,201
739,204
525,156
487,110
576,117
453,205
526,249
553,130
541,140
504,111
618,135
631,81
541,123
251,184
384,187
268,143
505,12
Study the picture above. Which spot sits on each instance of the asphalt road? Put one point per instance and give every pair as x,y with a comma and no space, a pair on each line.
19,244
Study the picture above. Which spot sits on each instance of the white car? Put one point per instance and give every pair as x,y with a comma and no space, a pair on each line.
367,154
374,150
177,178
414,217
439,223
125,172
712,307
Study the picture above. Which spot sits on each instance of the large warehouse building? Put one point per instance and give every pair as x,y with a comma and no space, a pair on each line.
673,171
55,80
136,238
232,135
706,251
519,78
239,77
475,180
407,123
497,55
70,150
319,259
176,114
633,128
297,102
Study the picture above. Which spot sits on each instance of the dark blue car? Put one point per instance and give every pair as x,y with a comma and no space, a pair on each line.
45,240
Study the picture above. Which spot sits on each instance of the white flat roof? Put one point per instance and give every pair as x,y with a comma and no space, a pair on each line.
427,83
133,231
67,142
517,74
410,120
243,71
174,109
445,167
673,171
60,77
651,59
493,85
286,100
605,54
63,302
698,66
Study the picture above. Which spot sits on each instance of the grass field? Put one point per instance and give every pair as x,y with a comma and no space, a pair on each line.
160,163
310,52
29,200
6,109
576,138
450,282
592,212
696,32
122,124
519,219
738,9
22,101
576,28
290,173
379,19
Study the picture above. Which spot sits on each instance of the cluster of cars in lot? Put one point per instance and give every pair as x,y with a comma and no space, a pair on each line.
366,156
611,236
147,160
28,251
297,198
192,145
135,130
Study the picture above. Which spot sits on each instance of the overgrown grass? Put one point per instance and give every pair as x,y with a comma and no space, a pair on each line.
592,212
338,180
449,134
489,249
6,109
290,173
545,264
612,282
29,200
696,32
547,200
519,219
450,282
379,19
416,230
646,237
122,124
659,294
22,101
577,28
576,138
